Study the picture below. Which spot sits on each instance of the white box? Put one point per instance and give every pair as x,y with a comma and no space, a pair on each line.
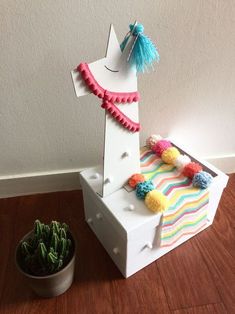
131,234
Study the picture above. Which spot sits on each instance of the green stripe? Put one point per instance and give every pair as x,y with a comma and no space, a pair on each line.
184,226
159,173
183,197
145,157
189,210
155,169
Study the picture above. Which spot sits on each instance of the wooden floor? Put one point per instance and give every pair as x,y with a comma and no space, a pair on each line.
197,277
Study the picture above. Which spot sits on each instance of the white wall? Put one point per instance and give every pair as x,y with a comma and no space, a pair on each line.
191,95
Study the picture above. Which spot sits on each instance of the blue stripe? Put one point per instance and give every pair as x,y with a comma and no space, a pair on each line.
189,210
180,200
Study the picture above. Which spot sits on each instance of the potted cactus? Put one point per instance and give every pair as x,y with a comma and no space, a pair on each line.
46,257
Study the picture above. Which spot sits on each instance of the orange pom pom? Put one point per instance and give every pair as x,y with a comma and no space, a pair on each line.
135,179
191,169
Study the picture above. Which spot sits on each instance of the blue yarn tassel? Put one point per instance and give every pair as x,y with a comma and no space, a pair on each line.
144,51
125,40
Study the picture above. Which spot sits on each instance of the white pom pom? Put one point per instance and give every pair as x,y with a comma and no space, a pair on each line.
181,161
152,140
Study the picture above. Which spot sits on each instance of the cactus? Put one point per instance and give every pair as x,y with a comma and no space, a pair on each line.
47,250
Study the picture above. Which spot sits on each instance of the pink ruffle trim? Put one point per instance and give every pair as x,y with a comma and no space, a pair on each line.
110,98
120,117
99,91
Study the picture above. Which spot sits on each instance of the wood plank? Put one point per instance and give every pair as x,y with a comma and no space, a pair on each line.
140,293
220,264
5,245
185,278
231,184
217,308
224,229
6,238
227,205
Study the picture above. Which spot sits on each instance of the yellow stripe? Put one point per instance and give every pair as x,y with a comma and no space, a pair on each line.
166,243
161,169
188,223
184,192
185,206
184,221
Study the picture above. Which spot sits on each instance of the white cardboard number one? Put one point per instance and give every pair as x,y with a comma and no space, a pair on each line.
121,147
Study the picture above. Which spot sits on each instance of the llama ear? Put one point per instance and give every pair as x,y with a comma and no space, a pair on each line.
113,50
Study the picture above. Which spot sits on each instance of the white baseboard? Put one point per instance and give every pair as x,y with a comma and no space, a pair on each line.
68,180
224,163
42,182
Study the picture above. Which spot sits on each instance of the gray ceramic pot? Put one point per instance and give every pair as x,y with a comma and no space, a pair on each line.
51,285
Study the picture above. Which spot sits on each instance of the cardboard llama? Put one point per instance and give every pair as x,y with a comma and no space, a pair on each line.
135,226
116,81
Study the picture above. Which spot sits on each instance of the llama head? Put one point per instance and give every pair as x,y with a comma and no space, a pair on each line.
113,72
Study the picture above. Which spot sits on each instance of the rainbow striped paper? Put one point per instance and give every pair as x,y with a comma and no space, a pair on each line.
187,213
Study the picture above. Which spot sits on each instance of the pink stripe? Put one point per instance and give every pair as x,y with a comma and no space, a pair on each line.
148,152
169,178
184,214
151,162
184,234
178,186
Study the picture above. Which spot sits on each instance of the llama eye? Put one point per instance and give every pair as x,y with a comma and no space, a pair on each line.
115,71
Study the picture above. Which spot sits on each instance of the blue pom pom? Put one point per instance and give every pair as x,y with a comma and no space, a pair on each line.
143,188
138,29
202,179
144,51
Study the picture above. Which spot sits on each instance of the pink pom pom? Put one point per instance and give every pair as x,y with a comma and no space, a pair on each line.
161,146
152,140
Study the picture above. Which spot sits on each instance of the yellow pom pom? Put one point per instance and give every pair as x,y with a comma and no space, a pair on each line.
156,201
170,154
